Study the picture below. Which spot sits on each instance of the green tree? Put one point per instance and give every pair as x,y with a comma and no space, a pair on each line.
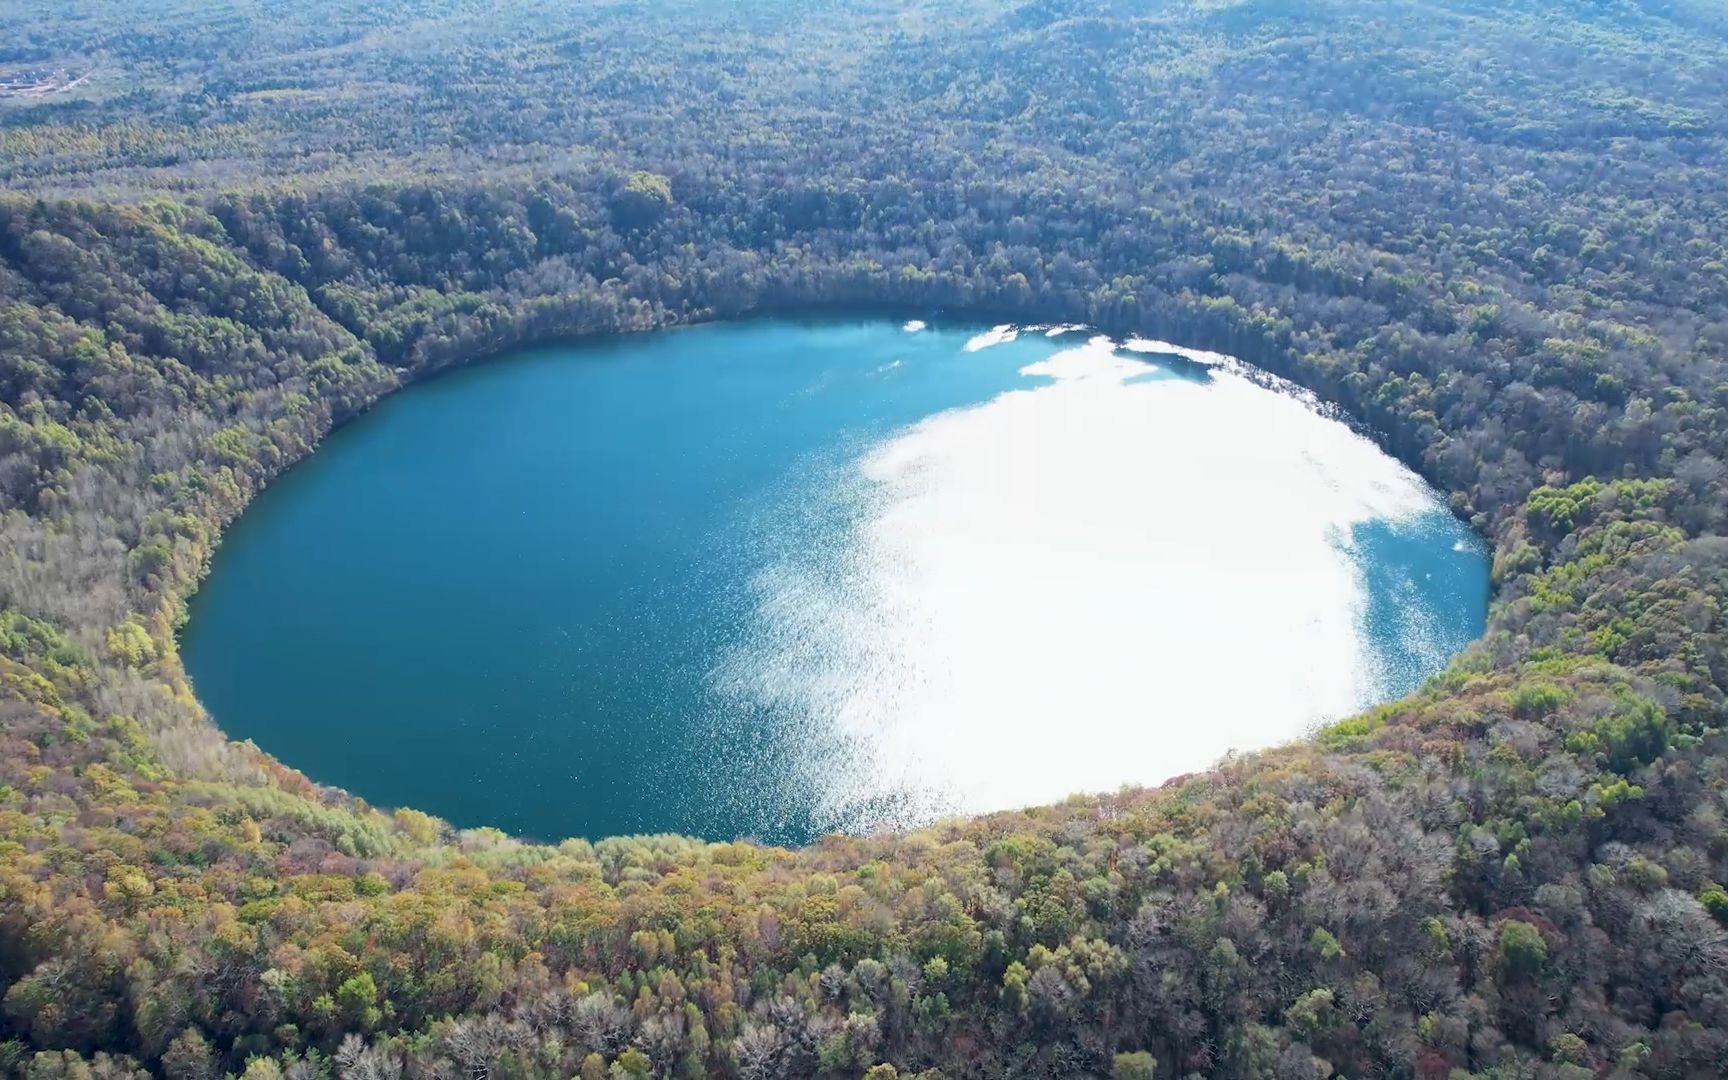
1523,950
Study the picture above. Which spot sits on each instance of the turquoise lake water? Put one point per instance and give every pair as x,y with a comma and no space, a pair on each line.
777,578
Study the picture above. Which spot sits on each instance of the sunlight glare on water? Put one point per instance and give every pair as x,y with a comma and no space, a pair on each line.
1047,593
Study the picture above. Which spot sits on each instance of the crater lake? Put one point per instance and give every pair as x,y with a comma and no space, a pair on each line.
777,578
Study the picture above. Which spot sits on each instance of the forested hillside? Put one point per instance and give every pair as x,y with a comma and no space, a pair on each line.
1493,232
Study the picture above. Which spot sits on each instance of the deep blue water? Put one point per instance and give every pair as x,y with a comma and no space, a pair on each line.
587,590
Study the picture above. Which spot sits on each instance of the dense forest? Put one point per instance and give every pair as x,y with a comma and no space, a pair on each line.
1494,233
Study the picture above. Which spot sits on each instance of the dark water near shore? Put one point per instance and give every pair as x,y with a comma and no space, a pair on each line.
776,578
